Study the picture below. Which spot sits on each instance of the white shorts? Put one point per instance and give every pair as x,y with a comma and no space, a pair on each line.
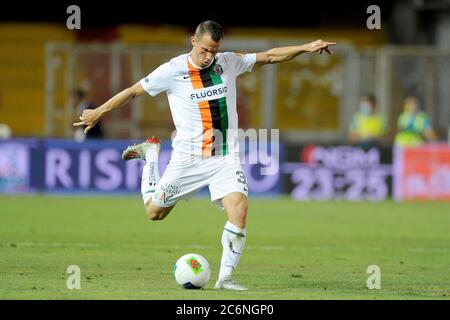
186,174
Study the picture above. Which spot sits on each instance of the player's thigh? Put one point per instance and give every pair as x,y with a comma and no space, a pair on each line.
183,177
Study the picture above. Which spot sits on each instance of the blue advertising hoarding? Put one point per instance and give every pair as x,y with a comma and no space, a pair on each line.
16,156
95,166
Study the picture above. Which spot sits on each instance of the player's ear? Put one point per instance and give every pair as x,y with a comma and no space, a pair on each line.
194,40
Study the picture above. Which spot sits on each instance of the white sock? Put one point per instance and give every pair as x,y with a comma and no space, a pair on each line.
233,243
150,175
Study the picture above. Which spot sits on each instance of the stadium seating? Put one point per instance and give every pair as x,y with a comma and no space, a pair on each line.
22,69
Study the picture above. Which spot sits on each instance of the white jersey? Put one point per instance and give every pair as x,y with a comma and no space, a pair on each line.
202,101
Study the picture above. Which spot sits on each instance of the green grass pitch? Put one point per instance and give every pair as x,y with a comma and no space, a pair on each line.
294,250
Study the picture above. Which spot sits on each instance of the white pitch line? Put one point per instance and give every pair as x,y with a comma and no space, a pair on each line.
252,247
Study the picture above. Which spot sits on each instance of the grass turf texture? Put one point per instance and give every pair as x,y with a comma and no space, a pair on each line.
294,250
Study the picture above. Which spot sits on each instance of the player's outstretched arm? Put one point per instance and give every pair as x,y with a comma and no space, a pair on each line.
282,54
90,117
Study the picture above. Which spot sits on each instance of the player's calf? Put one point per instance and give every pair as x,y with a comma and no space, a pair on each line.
236,207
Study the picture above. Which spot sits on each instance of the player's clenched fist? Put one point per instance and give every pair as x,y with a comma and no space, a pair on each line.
89,118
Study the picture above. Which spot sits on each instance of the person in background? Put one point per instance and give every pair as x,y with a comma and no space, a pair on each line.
413,125
367,126
81,103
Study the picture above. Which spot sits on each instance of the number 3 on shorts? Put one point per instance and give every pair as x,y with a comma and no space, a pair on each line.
241,177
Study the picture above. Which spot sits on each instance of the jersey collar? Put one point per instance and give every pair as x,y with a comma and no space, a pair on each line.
200,68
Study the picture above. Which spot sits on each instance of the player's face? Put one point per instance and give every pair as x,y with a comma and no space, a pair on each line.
204,49
410,104
366,105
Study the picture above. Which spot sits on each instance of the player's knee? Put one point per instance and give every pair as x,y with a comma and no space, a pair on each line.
155,216
153,213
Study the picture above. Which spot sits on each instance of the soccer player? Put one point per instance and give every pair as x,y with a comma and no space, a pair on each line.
201,90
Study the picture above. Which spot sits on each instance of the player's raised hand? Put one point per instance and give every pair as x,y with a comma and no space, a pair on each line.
89,118
319,45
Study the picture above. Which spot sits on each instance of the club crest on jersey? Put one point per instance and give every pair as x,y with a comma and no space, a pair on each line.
217,69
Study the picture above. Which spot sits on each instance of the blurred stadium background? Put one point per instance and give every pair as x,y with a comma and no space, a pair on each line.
311,99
